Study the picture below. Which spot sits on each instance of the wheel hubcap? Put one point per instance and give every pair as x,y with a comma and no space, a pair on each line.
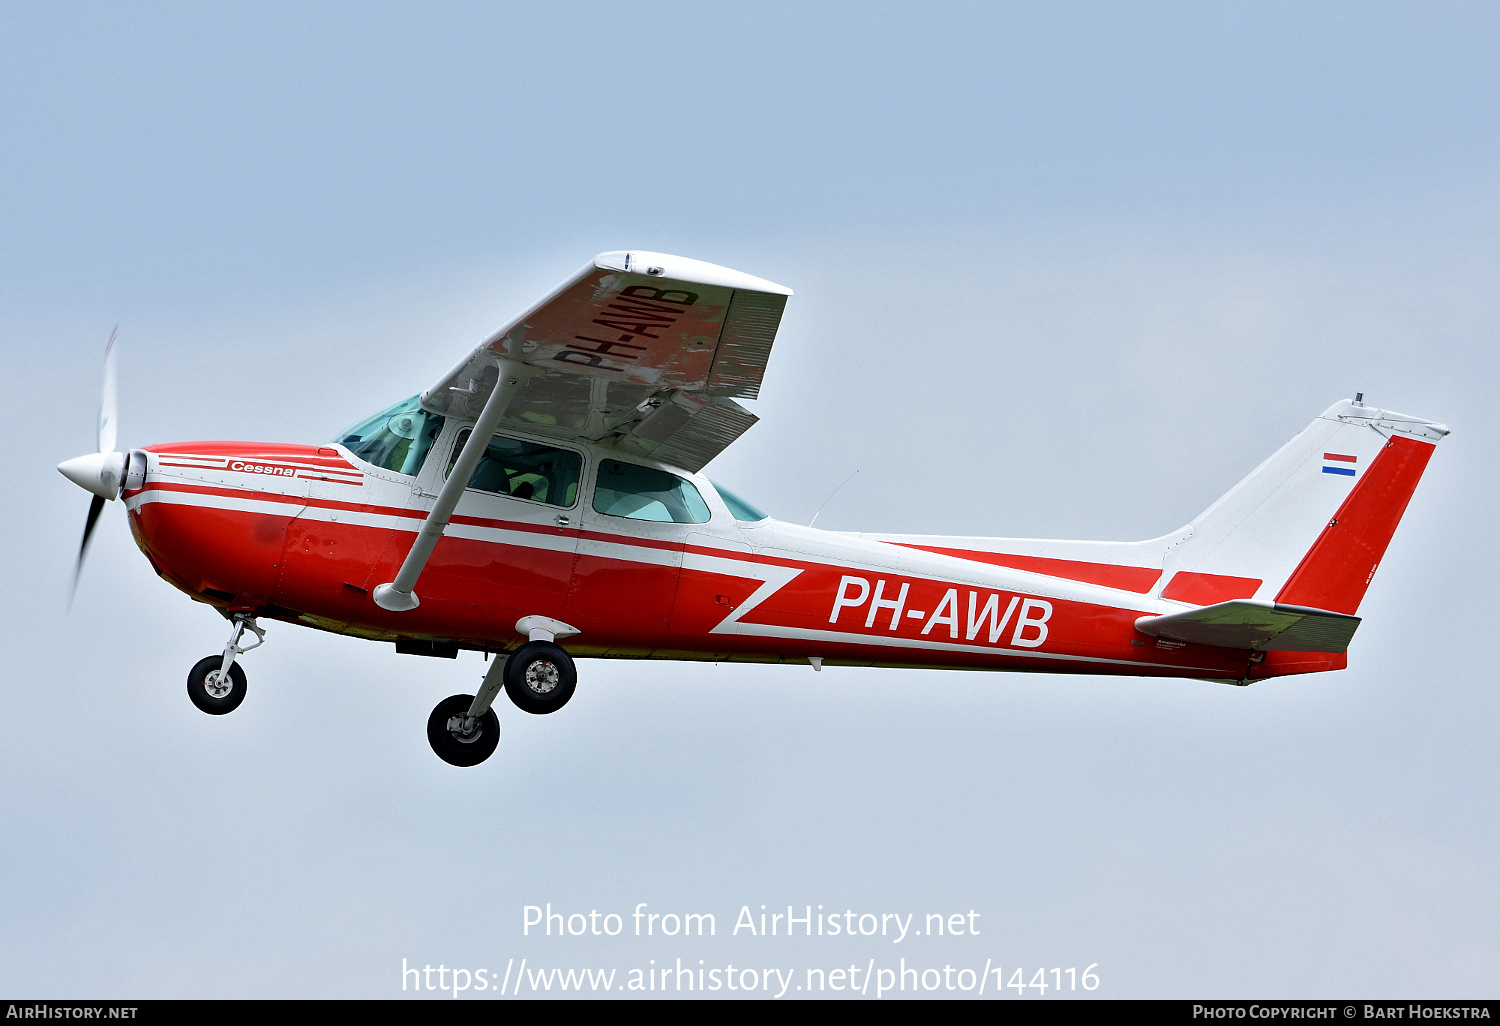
456,728
542,676
217,685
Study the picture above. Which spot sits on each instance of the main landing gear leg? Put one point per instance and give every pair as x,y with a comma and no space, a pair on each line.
216,684
464,730
494,680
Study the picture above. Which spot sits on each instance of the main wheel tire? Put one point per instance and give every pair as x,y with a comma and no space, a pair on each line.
540,677
457,749
209,693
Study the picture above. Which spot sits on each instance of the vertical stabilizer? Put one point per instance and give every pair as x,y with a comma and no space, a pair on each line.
1310,525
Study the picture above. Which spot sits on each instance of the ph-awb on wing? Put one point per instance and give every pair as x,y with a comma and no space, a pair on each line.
648,348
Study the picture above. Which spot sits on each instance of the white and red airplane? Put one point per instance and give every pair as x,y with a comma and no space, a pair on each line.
548,490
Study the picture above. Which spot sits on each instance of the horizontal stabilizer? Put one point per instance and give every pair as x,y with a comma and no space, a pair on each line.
1259,626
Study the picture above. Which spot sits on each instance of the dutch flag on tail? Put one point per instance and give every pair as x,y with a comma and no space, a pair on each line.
1339,458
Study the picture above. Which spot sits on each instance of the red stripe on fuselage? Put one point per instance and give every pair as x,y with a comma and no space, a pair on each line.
414,517
1206,589
1138,579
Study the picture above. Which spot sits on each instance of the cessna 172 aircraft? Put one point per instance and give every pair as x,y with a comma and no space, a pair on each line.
548,492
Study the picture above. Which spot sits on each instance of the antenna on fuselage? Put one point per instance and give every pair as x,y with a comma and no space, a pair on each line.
831,494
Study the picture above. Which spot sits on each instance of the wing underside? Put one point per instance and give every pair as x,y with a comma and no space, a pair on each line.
644,350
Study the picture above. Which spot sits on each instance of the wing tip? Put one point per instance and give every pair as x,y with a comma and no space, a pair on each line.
686,269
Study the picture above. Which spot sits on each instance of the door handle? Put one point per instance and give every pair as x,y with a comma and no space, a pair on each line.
562,520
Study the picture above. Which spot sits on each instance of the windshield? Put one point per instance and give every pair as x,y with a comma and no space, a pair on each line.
740,509
397,438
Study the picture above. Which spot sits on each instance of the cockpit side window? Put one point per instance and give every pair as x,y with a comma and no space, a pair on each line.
640,493
398,438
524,470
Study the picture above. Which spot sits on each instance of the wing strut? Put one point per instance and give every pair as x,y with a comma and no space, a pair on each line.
400,595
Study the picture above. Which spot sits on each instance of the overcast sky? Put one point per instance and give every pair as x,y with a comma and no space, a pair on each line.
1065,271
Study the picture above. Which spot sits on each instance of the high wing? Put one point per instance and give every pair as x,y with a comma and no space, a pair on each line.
645,348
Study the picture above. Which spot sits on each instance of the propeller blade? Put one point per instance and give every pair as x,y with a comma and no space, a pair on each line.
103,472
95,508
107,399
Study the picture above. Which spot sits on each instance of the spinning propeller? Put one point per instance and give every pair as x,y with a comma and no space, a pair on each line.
102,472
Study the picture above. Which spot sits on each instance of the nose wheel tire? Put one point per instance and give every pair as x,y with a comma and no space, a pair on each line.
212,692
540,677
448,739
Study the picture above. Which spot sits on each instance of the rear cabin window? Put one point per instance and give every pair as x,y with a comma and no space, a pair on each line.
640,493
524,470
398,438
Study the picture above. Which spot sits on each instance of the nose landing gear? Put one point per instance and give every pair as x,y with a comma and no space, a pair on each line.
216,684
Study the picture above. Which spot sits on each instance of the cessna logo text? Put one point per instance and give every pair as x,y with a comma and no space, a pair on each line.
983,614
261,468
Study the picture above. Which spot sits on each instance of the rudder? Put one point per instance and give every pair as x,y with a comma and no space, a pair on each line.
1337,570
